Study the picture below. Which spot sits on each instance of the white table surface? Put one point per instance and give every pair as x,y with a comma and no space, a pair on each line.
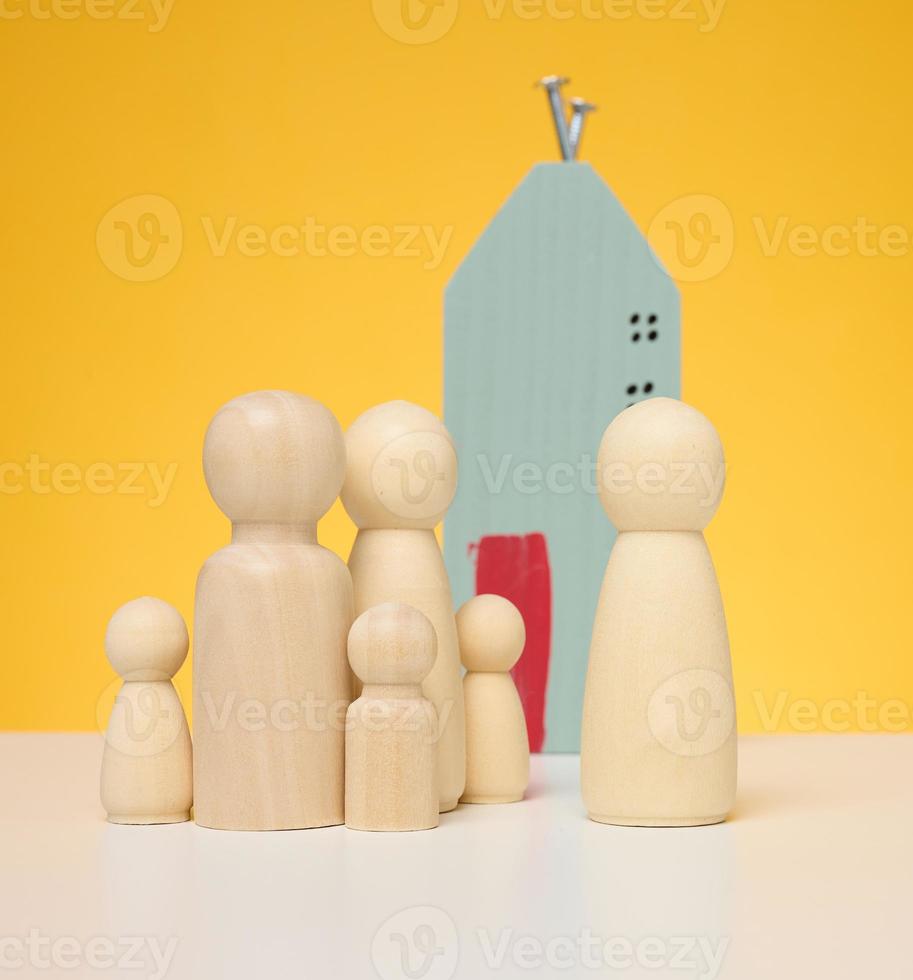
811,879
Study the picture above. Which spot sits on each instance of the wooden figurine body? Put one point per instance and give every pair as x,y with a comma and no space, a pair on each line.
273,610
147,766
492,637
400,479
659,735
391,779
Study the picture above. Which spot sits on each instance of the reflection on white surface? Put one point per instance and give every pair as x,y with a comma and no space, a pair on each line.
811,879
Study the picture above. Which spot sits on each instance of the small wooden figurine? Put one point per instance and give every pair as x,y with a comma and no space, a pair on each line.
492,636
147,766
391,729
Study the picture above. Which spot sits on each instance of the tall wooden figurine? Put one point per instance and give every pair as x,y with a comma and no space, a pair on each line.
658,746
401,477
273,610
146,771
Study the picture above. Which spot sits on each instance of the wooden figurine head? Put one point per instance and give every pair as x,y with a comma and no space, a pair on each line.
392,644
146,640
660,468
401,470
274,457
492,633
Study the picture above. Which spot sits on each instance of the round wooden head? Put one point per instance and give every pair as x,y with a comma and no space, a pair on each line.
401,470
146,640
491,633
274,457
661,468
392,644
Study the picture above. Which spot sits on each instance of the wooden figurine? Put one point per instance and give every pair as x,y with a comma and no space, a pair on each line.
400,479
492,635
391,761
147,766
273,610
659,733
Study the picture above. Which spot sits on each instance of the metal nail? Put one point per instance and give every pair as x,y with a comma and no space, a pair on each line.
580,109
552,85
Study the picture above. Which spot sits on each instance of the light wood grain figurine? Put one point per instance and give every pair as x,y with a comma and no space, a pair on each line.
391,729
492,637
400,480
273,610
147,766
659,734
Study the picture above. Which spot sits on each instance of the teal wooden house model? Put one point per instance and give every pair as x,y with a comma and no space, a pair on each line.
559,317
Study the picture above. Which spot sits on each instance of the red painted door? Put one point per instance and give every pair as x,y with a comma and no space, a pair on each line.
516,567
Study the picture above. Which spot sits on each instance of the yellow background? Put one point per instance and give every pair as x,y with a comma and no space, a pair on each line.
275,112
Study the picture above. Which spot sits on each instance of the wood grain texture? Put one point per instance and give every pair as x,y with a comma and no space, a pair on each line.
273,610
271,687
391,756
147,765
491,636
659,732
400,479
407,566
